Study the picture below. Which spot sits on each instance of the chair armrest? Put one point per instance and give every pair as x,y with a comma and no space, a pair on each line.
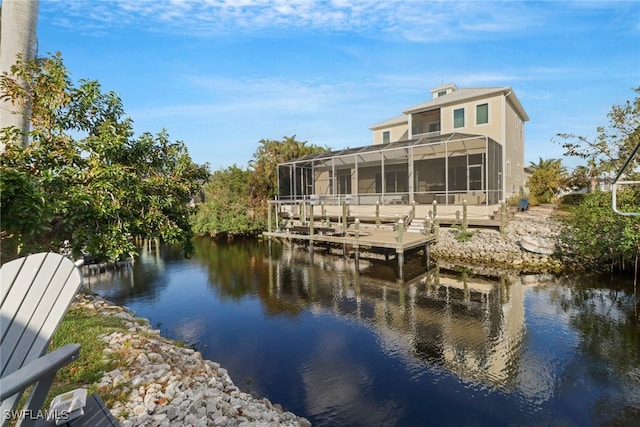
41,367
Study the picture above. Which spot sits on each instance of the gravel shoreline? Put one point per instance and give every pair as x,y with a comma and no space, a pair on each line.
170,385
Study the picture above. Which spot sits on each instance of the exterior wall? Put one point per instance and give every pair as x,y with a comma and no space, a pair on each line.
493,129
323,183
398,132
515,179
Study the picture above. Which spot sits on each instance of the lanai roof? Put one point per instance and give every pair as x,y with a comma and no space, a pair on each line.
389,146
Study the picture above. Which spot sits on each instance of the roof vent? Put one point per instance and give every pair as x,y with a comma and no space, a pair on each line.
443,90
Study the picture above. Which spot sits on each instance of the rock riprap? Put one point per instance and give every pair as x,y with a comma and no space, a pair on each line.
171,385
489,247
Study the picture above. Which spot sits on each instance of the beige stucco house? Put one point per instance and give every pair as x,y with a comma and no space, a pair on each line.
462,144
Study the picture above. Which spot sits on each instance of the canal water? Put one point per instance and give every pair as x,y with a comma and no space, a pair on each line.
448,346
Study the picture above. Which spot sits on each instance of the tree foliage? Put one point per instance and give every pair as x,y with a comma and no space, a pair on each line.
613,144
230,206
84,180
236,199
602,239
595,232
547,180
267,157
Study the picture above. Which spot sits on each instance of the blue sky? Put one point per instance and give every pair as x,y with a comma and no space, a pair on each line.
221,75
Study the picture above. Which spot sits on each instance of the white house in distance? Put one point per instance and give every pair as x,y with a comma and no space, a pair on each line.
462,144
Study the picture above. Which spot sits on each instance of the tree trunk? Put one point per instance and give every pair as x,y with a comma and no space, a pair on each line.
17,36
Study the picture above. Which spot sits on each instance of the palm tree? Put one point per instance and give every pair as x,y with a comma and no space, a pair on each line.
547,179
17,37
545,164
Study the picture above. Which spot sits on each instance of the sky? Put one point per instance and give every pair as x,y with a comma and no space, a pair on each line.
220,75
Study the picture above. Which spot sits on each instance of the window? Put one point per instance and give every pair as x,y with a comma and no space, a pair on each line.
482,114
458,118
386,137
441,93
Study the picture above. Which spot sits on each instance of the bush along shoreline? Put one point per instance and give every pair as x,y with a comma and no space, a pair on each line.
149,380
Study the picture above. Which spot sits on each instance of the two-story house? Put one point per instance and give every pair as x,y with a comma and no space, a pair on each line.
462,144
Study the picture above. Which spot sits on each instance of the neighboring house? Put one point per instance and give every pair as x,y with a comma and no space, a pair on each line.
463,144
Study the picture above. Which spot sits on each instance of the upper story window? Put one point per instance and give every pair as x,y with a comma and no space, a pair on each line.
482,114
458,118
386,137
441,93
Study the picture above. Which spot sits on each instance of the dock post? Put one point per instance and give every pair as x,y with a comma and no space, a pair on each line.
323,213
436,223
344,217
356,284
268,217
377,213
400,229
310,220
503,219
357,246
427,254
464,215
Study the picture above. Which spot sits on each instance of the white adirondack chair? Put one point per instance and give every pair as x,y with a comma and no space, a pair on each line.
35,294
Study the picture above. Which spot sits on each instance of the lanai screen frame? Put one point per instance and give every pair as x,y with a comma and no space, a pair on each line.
391,173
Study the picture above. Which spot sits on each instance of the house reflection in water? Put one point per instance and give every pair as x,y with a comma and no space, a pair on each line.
470,325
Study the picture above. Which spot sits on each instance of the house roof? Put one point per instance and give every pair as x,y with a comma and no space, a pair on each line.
398,120
461,95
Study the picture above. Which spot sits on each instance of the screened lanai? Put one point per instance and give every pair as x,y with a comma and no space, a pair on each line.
445,168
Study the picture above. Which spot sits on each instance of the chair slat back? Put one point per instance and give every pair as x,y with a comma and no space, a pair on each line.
35,294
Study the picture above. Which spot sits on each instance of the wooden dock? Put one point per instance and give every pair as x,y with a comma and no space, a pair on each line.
361,240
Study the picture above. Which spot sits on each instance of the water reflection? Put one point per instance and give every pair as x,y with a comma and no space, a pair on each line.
472,326
341,347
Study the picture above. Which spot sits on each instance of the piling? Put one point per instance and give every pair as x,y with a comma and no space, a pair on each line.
464,215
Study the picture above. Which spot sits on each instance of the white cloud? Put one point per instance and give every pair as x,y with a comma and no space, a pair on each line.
414,20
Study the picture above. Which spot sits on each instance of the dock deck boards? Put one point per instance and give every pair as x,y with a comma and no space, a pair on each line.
369,237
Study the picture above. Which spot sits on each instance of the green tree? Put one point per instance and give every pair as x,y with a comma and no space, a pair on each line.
600,238
267,157
579,178
236,199
230,206
84,180
594,231
547,179
613,144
